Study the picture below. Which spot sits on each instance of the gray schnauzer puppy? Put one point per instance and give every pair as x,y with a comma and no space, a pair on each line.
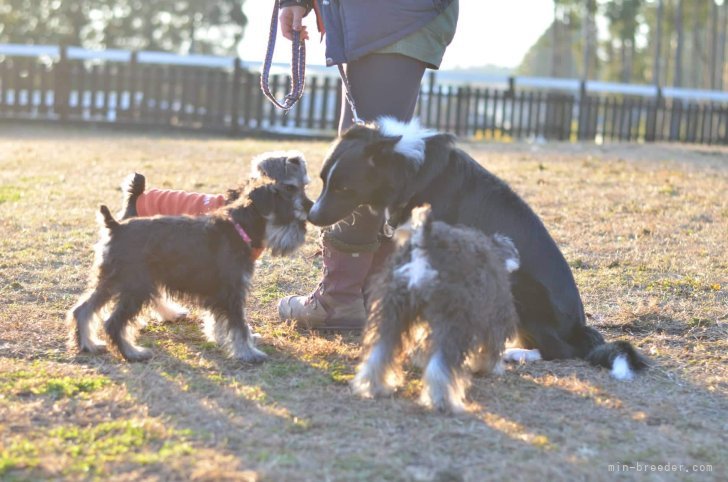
446,287
207,259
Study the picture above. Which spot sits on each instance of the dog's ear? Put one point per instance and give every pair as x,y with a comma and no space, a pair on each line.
298,164
263,199
377,150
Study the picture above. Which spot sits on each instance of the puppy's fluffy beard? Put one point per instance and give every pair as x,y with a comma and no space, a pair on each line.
283,239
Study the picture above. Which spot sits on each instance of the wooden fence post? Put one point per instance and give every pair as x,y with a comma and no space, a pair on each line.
235,101
651,133
430,95
583,119
62,84
133,83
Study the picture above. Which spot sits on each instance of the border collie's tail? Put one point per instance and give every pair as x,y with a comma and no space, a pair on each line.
132,187
107,218
620,357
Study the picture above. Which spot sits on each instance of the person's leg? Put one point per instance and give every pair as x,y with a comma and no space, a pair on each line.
382,85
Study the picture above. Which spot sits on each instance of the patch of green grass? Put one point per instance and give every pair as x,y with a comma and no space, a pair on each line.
299,425
685,286
254,393
92,448
269,293
337,371
10,194
39,382
274,369
20,454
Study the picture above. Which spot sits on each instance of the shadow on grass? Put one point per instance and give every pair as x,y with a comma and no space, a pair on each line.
294,416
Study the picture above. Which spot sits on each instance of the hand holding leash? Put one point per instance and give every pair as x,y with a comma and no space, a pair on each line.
298,56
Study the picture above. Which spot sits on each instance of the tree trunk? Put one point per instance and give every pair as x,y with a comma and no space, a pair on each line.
658,44
722,39
713,44
677,80
555,67
697,52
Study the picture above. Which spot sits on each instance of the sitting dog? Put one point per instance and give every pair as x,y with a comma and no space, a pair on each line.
393,166
453,282
206,259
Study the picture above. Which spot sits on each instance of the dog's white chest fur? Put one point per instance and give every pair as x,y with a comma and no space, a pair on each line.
418,272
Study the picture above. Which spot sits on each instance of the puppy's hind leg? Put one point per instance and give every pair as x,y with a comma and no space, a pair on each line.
120,329
83,321
390,319
445,379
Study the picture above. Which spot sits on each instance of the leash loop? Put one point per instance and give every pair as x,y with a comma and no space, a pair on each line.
298,66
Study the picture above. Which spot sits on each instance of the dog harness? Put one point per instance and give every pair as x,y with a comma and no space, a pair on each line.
168,202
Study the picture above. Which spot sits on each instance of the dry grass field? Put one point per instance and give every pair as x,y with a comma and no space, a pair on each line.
645,229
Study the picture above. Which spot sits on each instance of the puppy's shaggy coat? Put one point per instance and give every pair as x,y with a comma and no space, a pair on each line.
452,281
206,259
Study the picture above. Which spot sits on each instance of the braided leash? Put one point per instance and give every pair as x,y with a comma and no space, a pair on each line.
298,66
347,91
298,71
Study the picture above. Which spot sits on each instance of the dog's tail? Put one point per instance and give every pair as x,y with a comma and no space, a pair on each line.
132,187
620,357
107,219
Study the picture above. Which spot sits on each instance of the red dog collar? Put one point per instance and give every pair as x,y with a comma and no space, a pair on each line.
254,252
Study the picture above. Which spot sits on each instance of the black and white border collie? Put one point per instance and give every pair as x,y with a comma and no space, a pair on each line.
393,167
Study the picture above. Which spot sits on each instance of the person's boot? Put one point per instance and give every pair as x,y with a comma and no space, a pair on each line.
387,246
337,303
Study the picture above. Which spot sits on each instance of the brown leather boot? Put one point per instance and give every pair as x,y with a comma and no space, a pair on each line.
337,303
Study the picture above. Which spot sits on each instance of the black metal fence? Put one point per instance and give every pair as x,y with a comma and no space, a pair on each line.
220,95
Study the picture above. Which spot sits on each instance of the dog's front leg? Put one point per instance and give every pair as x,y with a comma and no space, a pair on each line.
83,321
232,331
120,329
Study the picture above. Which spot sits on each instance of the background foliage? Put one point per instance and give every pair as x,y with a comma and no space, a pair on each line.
186,26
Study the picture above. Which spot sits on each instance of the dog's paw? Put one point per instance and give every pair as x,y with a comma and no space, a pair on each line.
93,348
521,355
137,355
366,385
252,355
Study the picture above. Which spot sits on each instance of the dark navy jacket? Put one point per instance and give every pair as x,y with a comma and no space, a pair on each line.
355,28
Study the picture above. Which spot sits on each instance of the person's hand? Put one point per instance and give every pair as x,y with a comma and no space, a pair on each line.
291,18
